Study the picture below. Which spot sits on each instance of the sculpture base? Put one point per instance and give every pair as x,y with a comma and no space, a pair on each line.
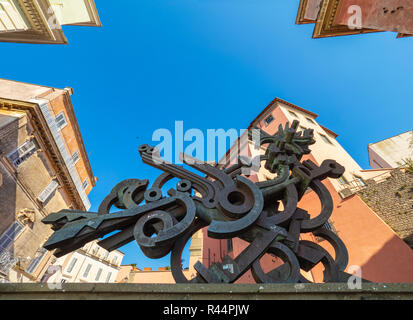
89,291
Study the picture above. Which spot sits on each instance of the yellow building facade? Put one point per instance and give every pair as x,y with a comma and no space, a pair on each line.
41,21
44,168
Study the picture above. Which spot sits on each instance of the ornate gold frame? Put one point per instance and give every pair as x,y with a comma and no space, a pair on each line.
325,26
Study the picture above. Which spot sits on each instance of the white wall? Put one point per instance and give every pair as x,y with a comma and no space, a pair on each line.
393,150
88,255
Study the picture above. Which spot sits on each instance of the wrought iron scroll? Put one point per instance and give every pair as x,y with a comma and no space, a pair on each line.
228,205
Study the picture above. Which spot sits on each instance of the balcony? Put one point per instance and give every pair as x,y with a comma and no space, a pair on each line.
348,189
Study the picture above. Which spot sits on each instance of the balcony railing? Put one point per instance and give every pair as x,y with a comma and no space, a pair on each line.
350,188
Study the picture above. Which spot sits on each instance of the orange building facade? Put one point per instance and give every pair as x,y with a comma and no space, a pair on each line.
372,245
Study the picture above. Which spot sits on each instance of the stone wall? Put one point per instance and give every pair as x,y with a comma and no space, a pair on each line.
19,190
208,292
392,201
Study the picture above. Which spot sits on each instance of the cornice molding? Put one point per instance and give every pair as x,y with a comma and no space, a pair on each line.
38,15
302,9
79,139
325,26
32,14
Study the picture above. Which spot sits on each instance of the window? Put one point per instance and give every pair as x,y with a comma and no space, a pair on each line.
108,277
86,273
106,255
343,180
71,265
293,113
324,137
22,153
229,245
48,191
115,259
35,262
85,184
75,157
9,235
95,250
269,120
98,274
360,182
61,120
310,120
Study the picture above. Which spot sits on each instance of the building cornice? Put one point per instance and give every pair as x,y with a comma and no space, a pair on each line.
75,125
33,15
325,25
335,135
301,13
397,135
38,14
273,105
106,262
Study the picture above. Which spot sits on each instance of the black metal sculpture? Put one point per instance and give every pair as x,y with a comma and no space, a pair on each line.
226,202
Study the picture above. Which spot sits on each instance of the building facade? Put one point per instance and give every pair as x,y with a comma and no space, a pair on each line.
40,21
391,152
90,264
132,274
372,244
44,168
334,18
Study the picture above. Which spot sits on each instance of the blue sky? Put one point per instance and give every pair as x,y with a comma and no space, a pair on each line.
213,64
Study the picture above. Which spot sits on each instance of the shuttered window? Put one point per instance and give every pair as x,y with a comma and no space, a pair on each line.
61,120
22,153
343,180
71,265
9,235
75,157
98,274
86,273
269,120
324,137
310,120
35,262
85,184
47,192
108,277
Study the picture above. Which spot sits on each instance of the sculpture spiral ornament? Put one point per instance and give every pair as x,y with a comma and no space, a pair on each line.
229,205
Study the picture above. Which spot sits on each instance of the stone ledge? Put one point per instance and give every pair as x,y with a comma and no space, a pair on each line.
90,291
